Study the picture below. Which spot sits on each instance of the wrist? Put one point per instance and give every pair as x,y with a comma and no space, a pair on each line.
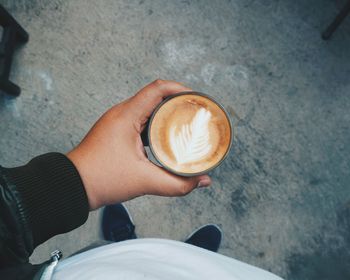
76,158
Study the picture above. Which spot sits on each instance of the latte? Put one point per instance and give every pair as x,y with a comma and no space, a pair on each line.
190,134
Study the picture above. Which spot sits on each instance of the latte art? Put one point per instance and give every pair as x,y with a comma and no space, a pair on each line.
191,143
189,134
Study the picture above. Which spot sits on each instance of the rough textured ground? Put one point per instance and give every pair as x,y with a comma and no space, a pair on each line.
283,196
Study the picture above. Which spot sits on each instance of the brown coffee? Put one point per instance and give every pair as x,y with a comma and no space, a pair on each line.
190,134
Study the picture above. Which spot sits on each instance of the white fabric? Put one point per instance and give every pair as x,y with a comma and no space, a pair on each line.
155,259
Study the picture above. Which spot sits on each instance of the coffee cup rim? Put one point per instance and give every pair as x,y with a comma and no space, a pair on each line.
189,93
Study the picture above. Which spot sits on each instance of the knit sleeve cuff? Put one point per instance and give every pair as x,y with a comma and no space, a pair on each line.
52,193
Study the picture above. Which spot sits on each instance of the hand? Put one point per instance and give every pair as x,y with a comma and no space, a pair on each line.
111,159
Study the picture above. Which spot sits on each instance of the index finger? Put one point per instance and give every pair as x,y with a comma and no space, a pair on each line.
147,99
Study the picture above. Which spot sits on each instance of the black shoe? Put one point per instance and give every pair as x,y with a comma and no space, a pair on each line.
207,237
117,224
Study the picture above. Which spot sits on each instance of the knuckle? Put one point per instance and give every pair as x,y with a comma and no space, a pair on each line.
158,82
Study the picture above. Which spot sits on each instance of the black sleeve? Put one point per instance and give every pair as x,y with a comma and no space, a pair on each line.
41,199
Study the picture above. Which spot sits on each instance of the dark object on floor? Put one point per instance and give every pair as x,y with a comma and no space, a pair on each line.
11,36
117,224
337,21
207,237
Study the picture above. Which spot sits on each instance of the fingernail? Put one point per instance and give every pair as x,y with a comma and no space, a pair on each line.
203,183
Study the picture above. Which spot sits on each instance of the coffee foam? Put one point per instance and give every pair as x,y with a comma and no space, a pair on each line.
191,143
190,133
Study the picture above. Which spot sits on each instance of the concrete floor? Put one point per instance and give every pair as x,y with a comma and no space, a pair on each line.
282,197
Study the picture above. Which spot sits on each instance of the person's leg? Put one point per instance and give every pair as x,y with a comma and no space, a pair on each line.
117,225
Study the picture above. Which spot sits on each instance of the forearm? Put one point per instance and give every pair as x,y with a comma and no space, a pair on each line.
46,197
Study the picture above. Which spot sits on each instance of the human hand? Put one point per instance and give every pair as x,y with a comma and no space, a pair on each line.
112,161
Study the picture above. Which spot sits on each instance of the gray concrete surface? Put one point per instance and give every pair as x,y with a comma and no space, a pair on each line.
282,197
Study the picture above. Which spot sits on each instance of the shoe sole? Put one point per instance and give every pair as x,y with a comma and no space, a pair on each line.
127,211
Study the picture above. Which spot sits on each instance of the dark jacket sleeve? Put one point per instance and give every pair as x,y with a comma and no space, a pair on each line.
41,199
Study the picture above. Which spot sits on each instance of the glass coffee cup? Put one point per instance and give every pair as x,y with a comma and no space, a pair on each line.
189,134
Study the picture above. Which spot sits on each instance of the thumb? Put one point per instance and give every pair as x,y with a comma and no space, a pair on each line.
147,99
162,182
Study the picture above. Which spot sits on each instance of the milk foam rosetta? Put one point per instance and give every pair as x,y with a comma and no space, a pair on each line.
191,143
190,134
